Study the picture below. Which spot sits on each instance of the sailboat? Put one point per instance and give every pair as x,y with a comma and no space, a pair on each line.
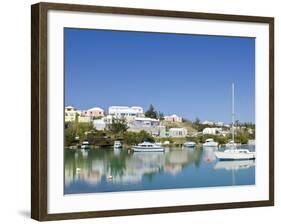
233,153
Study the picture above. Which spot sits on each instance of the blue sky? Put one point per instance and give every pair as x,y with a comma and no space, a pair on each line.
189,75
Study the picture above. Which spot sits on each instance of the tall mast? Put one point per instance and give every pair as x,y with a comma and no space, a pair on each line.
233,112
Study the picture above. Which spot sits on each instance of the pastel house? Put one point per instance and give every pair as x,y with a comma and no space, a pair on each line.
177,132
94,112
173,118
69,114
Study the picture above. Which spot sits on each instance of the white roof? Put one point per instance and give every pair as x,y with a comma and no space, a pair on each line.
118,107
177,129
96,108
136,107
69,107
173,115
145,119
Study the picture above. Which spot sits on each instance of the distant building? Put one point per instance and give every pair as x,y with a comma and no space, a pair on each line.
212,131
94,112
149,125
173,118
208,122
101,124
69,114
219,123
145,122
125,112
177,132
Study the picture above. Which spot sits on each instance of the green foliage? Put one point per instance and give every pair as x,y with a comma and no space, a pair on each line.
118,127
69,136
73,129
132,138
160,116
242,138
170,139
151,112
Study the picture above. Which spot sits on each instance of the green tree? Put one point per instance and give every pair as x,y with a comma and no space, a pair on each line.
197,121
132,138
160,116
69,136
118,126
151,112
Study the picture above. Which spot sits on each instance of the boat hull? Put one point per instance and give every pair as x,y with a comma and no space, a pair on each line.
138,149
235,156
189,145
213,144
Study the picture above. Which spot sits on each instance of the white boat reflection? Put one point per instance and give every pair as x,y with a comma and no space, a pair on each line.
234,165
116,151
209,154
85,153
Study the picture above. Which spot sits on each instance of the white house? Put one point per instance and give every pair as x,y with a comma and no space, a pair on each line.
145,122
212,131
101,124
177,132
173,118
125,112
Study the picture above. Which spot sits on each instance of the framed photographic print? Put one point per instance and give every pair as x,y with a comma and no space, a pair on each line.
140,111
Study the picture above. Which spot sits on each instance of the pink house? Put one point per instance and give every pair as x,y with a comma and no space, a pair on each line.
93,112
173,118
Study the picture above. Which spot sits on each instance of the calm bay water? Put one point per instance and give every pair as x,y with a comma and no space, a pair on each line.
110,170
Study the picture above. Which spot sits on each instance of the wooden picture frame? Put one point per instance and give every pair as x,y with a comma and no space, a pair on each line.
39,110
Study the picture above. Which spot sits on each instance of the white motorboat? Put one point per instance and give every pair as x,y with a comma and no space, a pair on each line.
210,143
233,153
147,147
85,145
189,144
117,144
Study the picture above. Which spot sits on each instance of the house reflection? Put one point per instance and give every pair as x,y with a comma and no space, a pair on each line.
123,167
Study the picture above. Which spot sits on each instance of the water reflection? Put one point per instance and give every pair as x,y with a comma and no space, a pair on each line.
234,165
117,169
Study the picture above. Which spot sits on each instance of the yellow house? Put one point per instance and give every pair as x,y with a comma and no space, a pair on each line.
69,114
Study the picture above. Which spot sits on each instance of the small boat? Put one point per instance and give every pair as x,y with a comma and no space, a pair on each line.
117,144
189,144
210,143
235,154
147,147
85,145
